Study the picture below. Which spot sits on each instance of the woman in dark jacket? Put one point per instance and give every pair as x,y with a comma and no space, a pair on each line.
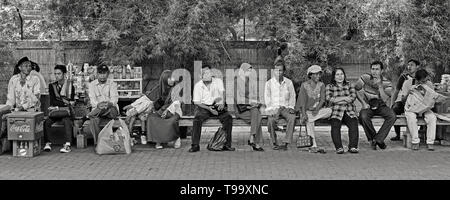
162,124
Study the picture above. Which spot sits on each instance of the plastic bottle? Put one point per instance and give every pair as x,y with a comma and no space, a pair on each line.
143,139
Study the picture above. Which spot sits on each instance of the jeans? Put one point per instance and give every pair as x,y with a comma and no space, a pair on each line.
398,108
322,114
202,115
68,126
430,119
353,132
272,123
96,115
253,117
365,118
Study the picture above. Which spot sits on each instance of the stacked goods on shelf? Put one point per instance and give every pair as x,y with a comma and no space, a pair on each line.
128,79
445,81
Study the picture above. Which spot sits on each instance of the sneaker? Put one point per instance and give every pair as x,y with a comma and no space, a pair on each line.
430,147
415,147
65,149
353,150
313,150
177,144
158,146
340,151
48,147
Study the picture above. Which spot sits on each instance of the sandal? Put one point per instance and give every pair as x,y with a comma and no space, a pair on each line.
340,151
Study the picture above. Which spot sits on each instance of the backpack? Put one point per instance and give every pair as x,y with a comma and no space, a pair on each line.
217,142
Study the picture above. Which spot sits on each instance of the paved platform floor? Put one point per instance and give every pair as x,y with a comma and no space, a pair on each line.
146,162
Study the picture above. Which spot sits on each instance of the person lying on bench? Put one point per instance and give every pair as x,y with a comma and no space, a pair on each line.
103,96
209,98
279,98
60,103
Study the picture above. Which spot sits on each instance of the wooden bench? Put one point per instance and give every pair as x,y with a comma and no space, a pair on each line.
187,121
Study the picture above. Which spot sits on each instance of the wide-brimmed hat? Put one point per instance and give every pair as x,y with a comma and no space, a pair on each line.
314,69
22,60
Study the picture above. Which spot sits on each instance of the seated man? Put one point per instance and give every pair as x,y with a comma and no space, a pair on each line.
374,94
23,92
423,86
209,98
397,100
23,89
58,98
280,101
103,96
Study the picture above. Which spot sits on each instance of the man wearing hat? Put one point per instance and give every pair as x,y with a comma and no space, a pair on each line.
23,89
103,96
311,101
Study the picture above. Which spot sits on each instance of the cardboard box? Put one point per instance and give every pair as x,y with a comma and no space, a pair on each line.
26,126
26,148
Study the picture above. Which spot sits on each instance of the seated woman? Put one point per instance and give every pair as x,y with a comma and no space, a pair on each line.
341,95
247,105
311,101
162,124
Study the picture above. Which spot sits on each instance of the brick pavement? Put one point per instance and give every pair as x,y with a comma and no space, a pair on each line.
146,162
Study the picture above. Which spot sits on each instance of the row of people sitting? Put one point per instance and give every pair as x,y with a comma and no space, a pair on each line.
335,101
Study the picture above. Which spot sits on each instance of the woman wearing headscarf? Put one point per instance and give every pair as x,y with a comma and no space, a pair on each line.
247,104
162,124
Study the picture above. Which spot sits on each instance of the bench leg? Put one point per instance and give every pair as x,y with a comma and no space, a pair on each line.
407,139
183,132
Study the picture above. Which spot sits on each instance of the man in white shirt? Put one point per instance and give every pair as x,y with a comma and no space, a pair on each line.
209,98
103,96
24,89
279,98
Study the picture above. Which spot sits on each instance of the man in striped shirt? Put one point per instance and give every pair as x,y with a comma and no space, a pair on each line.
375,92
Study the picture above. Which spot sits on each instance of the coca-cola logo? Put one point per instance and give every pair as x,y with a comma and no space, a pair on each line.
24,128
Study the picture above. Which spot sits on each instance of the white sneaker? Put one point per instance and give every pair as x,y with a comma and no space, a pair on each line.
48,147
65,149
158,146
177,143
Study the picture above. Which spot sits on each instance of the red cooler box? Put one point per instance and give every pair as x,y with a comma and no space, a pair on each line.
26,129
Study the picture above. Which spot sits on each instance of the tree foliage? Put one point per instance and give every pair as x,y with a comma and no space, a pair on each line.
316,32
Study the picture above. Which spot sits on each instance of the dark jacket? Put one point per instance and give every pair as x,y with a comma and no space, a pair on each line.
56,99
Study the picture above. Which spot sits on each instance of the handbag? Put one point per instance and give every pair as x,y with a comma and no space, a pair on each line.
59,112
217,142
304,141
